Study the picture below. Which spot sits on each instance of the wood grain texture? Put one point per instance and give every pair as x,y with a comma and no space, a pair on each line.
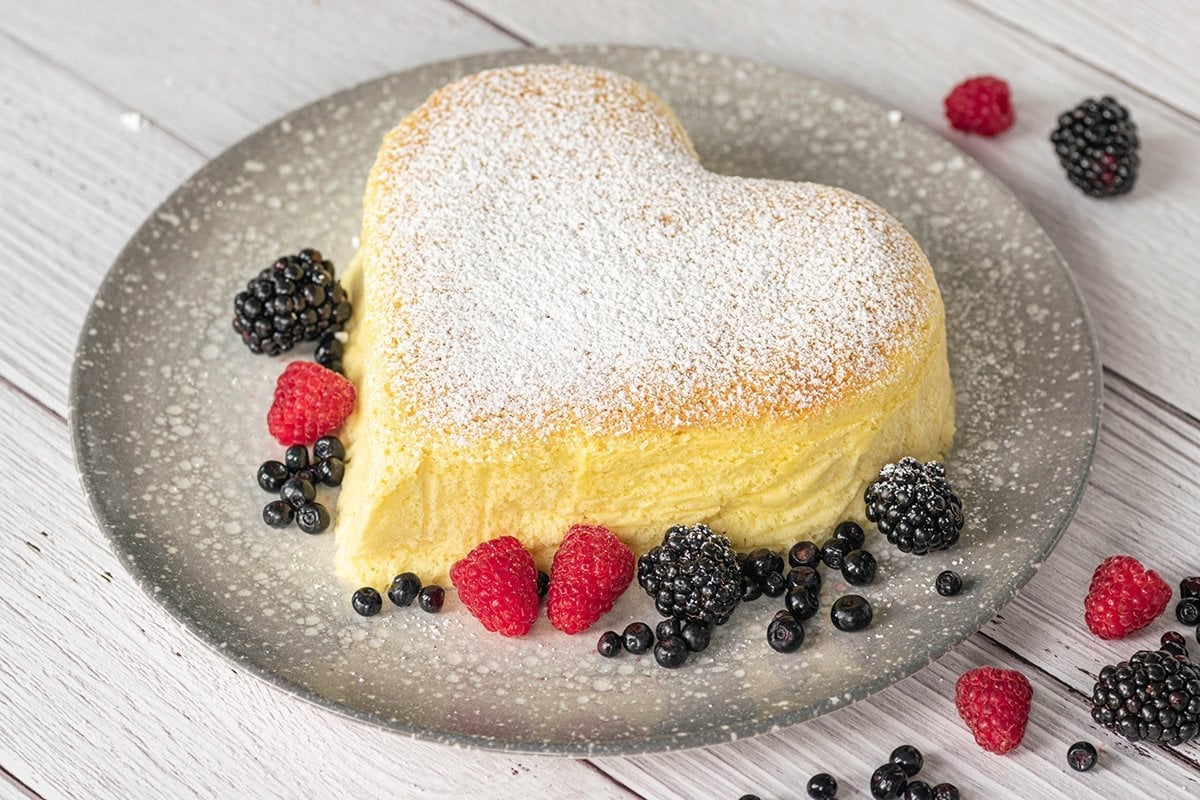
1133,256
103,695
1148,45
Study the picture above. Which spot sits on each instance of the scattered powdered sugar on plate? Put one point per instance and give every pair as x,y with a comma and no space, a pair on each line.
556,252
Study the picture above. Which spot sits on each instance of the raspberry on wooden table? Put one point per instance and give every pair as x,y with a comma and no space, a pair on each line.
591,569
310,402
995,705
980,105
497,582
1123,597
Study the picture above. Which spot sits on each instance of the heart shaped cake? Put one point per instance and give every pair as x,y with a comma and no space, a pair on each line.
561,317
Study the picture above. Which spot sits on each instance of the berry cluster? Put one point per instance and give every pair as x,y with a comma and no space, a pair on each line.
693,574
891,781
1152,697
914,506
405,588
295,480
672,640
296,299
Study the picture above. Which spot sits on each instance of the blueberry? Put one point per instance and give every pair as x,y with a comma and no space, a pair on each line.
1189,587
404,589
804,578
762,562
305,475
1188,611
918,790
329,447
804,554
802,603
888,782
948,583
609,644
750,589
430,598
834,553
296,457
945,791
366,601
671,652
296,492
909,758
774,584
1081,756
543,584
272,474
851,612
637,637
822,786
330,471
277,514
749,797
785,634
312,518
859,568
851,533
668,627
696,634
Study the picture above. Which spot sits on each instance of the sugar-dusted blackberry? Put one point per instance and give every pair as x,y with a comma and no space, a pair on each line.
366,601
1152,697
822,786
948,583
329,352
851,533
272,474
693,574
278,514
859,568
785,634
1187,611
914,506
330,471
312,518
637,638
404,589
1097,145
671,652
851,612
609,644
296,299
697,635
328,447
804,554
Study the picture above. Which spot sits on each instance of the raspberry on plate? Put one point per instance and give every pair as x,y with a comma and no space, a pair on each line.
1123,597
497,582
310,402
980,105
995,705
591,569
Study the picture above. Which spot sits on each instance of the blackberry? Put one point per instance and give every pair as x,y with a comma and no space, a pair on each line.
272,474
637,637
909,758
693,574
948,583
1188,611
671,652
696,635
785,634
366,601
859,568
294,300
822,786
851,612
888,782
430,598
914,506
328,447
329,352
850,532
1152,697
312,518
609,644
1081,756
404,589
278,514
330,471
1097,145
804,554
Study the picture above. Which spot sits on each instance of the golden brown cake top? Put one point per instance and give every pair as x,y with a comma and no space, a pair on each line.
542,248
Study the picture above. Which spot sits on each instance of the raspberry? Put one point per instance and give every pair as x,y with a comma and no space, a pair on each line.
980,105
995,705
1123,597
310,402
591,569
497,582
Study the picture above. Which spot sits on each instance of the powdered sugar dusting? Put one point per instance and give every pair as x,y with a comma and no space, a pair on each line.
557,253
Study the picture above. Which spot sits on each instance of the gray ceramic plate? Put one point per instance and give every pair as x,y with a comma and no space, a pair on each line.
170,476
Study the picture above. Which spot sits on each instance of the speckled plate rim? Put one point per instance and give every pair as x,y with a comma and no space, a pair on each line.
114,531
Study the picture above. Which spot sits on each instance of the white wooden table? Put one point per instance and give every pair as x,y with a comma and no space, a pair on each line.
105,107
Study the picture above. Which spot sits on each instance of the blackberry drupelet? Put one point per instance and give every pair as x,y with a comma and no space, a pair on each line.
296,299
914,506
693,574
329,352
1153,697
1097,144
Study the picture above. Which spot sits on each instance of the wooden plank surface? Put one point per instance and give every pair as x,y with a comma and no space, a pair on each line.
101,117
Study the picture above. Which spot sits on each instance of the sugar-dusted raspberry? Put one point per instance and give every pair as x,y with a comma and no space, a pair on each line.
995,705
591,569
497,582
310,402
980,105
1123,597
